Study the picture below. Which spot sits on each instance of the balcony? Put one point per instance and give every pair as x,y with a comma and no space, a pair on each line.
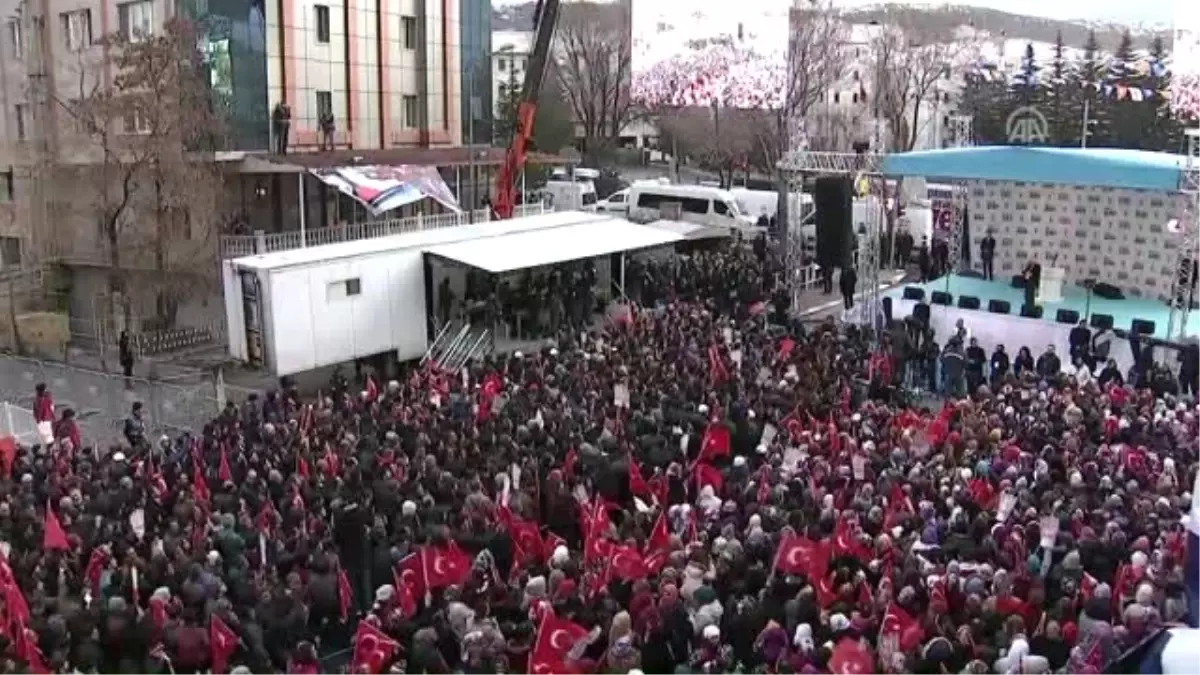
236,246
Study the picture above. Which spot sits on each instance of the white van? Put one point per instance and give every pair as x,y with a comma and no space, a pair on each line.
617,203
709,206
573,192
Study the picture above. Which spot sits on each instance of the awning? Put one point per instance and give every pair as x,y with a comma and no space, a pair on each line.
538,248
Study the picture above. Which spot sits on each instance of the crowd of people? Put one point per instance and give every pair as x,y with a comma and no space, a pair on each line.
691,489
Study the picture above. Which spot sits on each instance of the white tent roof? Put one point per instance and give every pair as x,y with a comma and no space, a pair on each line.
690,231
538,248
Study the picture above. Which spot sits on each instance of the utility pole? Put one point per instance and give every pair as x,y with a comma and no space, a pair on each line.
1087,124
471,142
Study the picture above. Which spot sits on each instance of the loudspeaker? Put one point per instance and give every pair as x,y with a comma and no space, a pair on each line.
1018,281
1032,312
968,302
914,293
887,309
1107,291
921,313
941,298
999,306
1067,316
1102,321
1141,327
833,206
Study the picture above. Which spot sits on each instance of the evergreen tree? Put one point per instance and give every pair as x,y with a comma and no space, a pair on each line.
1161,130
1086,81
1059,95
1026,83
985,98
1127,116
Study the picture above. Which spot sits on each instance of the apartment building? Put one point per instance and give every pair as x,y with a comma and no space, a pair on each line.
388,72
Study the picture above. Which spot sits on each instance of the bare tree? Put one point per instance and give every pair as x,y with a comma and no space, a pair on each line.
716,139
594,53
909,61
146,137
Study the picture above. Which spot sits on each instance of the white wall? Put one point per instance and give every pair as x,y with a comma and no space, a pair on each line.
322,326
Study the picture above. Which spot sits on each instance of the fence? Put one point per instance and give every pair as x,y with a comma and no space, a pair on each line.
234,246
102,401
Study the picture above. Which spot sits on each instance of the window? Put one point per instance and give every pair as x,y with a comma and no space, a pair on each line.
15,37
695,205
19,111
322,23
411,112
137,19
502,64
354,287
617,198
10,252
324,104
721,208
649,201
408,30
77,29
589,199
136,122
6,186
503,90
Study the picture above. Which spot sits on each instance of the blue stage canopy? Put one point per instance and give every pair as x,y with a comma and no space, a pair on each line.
1095,167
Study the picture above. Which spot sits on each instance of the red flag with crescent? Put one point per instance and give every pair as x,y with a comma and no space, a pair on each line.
717,443
555,639
899,623
851,657
660,536
373,649
222,642
801,555
625,563
446,565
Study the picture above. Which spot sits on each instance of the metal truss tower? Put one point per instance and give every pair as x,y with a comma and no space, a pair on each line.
1183,286
962,137
864,169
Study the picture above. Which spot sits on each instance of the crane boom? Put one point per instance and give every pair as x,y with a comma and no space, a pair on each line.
545,20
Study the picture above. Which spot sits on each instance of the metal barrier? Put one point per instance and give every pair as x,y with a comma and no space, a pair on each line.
102,401
235,246
18,423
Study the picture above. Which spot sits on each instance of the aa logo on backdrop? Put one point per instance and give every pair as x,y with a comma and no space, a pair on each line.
1027,126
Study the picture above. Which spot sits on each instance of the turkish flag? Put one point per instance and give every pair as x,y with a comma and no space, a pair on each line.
224,473
345,593
707,474
624,562
409,576
446,565
903,626
97,561
717,443
222,642
716,367
373,649
660,536
637,484
596,544
846,542
555,639
199,485
850,657
525,535
54,537
25,647
801,555
826,591
786,345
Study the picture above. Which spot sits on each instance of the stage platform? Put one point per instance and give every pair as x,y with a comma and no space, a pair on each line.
1074,297
1014,331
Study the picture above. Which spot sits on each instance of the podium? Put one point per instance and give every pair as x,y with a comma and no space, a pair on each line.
1050,290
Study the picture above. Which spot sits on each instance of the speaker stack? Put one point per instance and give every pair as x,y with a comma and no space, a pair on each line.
833,202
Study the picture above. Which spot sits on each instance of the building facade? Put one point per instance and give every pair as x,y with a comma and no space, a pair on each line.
478,101
389,74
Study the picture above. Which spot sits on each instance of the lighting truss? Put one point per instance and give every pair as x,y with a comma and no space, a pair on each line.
831,162
1182,294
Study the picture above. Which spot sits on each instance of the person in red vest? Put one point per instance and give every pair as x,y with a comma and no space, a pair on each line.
67,429
43,405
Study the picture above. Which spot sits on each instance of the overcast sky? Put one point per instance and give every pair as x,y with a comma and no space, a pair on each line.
1123,11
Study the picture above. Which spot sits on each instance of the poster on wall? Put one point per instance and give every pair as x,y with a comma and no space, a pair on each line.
382,188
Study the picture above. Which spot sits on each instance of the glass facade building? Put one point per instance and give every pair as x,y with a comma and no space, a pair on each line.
478,108
234,40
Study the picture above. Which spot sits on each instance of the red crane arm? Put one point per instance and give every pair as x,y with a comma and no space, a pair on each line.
505,200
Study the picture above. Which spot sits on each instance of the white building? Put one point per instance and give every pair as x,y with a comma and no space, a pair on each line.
510,58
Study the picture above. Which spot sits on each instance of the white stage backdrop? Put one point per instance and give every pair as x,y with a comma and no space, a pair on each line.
1015,332
1111,235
